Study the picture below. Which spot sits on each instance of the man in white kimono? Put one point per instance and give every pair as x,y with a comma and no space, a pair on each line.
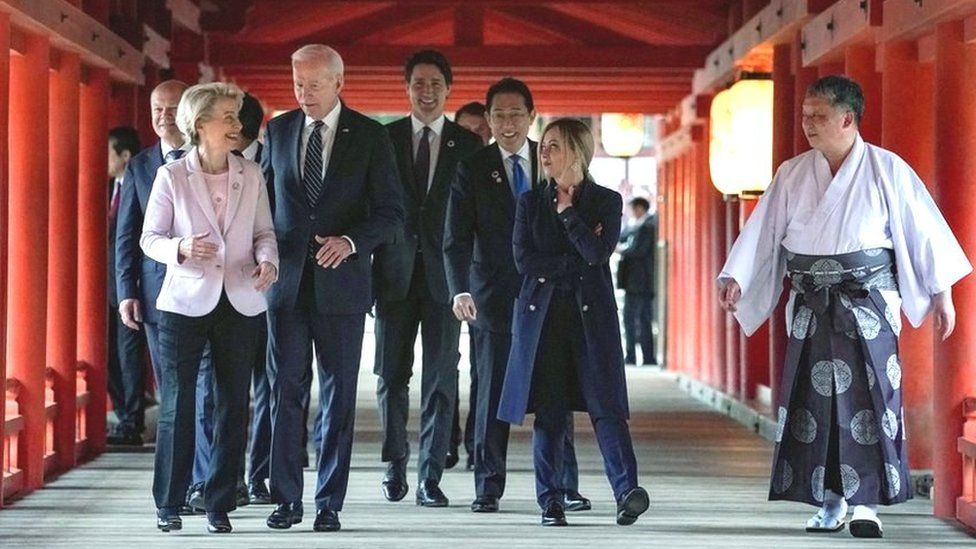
859,237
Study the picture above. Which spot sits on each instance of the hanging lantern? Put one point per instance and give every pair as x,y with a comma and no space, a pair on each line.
740,156
622,135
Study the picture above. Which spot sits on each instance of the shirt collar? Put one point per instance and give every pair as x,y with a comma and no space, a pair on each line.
331,120
251,150
523,152
166,148
437,126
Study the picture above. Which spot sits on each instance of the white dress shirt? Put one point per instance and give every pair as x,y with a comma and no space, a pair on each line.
434,138
509,162
331,121
251,150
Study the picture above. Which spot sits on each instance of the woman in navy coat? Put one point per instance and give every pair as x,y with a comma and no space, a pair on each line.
566,353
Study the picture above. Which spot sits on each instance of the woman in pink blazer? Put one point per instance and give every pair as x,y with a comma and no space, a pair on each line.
209,221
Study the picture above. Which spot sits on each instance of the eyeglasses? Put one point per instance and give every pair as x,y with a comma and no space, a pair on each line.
499,117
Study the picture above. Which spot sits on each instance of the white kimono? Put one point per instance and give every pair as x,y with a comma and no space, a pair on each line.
874,201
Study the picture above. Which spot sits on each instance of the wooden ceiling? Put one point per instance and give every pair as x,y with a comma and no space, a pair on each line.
577,57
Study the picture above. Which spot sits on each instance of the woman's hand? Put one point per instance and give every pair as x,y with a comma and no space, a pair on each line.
266,275
944,313
564,197
195,247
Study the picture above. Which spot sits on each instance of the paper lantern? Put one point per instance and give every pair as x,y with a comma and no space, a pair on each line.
740,156
622,135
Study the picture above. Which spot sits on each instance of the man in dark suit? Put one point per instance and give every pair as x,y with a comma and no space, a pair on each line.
411,287
336,198
482,278
635,276
126,368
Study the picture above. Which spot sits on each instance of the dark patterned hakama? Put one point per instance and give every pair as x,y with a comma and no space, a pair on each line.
841,423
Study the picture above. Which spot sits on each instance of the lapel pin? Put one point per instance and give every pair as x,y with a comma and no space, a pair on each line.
344,130
450,143
496,176
237,185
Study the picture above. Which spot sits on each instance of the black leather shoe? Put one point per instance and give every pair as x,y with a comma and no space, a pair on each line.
395,485
218,523
429,494
168,519
285,515
194,499
185,511
326,520
484,504
258,494
243,498
553,515
573,501
632,505
125,439
452,458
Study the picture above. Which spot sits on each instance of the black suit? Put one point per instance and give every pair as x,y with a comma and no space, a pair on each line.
411,289
360,199
635,276
479,260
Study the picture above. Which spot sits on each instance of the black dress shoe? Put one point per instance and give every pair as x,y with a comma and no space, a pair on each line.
258,494
185,511
194,499
168,519
395,485
242,497
429,494
573,501
553,515
632,505
484,504
125,439
218,523
452,458
285,515
326,520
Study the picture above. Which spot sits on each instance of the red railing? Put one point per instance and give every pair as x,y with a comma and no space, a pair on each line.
13,475
966,504
82,398
50,422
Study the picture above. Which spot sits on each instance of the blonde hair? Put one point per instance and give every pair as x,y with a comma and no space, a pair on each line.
197,105
321,53
578,138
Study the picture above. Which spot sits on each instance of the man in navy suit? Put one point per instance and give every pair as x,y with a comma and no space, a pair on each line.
635,276
411,287
139,279
483,281
336,198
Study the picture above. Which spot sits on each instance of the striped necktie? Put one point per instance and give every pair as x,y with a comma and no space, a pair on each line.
312,173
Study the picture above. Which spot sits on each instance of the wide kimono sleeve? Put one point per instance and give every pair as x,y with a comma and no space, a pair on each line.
928,257
757,261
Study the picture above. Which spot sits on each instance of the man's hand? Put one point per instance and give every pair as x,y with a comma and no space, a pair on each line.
944,313
729,294
196,247
464,308
333,252
131,312
266,275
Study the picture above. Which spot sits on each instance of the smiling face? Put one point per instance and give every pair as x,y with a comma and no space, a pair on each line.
477,124
316,87
164,101
510,120
428,92
219,131
828,129
557,159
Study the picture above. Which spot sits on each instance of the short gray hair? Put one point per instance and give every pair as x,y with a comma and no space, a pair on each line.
197,105
321,53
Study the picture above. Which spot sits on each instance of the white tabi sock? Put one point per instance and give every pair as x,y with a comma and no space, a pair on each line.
834,509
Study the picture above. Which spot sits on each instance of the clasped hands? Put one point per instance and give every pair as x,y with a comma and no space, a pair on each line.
197,247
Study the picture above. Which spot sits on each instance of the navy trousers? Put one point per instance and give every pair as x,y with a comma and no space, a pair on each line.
126,374
638,314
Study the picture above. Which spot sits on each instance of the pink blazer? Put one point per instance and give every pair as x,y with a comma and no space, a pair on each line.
179,207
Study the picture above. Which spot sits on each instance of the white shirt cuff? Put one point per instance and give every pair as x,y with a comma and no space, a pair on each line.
351,243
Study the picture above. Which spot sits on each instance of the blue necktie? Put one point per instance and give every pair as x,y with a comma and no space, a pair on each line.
519,181
173,155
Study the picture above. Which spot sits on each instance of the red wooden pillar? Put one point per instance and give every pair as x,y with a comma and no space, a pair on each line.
754,352
4,191
62,272
670,348
785,116
955,170
717,251
26,313
802,78
860,65
907,129
122,111
693,325
681,259
92,236
830,69
733,336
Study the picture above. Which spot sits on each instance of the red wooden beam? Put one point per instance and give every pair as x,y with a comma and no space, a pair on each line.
469,25
590,30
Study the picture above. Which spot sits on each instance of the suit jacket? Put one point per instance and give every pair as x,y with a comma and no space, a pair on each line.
360,199
635,274
179,207
137,276
423,230
565,249
113,223
478,237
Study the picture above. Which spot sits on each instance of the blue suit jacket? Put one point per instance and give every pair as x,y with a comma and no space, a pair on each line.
360,199
137,276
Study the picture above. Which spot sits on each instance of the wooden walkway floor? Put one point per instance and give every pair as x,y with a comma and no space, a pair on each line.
707,477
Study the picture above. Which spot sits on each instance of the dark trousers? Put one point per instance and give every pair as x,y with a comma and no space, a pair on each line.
490,433
556,384
397,323
232,337
126,374
260,443
638,314
204,433
467,436
338,341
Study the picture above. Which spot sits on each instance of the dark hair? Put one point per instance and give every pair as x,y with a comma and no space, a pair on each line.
473,108
251,116
510,85
124,138
640,201
841,92
429,57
